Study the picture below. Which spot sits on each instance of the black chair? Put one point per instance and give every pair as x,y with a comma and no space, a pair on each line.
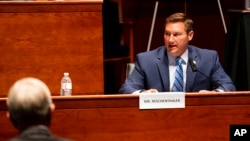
117,46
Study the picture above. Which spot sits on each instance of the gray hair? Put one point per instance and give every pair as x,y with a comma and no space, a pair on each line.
28,97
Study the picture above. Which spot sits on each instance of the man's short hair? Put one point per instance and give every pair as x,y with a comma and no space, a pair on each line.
28,99
181,17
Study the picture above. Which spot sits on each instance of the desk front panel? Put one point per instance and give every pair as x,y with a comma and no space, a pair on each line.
117,117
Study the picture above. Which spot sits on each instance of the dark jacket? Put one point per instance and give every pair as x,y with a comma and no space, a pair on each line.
37,133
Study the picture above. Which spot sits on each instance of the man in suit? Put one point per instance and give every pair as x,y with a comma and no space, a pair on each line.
30,107
155,71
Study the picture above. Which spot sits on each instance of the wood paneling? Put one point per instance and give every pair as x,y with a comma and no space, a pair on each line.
209,32
206,117
45,39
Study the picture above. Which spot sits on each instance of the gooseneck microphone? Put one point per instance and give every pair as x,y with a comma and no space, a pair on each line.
195,69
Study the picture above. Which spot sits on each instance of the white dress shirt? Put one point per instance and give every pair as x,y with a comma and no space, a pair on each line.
172,69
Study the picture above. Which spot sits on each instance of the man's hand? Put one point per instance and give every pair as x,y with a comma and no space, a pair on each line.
150,91
206,91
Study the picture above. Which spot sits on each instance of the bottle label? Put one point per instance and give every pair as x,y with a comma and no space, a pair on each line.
66,86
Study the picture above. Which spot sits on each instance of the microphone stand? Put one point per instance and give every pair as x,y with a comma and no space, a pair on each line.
152,25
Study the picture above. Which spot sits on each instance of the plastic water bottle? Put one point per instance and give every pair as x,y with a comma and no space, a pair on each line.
66,85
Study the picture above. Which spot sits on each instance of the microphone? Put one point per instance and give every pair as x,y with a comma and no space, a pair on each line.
195,69
193,65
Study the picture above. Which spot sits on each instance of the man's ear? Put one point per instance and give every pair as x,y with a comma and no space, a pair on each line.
52,107
8,115
190,35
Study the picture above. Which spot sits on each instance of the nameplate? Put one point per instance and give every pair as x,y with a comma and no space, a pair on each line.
162,100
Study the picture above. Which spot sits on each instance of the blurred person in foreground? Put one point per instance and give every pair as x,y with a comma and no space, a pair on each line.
29,108
155,71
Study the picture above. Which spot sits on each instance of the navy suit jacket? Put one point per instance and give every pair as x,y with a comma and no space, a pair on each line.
152,71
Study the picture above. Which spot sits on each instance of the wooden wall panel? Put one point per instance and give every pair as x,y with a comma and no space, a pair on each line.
45,39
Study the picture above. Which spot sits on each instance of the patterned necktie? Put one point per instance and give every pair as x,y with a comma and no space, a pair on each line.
178,82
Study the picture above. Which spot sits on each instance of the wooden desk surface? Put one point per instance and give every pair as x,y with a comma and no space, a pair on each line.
206,117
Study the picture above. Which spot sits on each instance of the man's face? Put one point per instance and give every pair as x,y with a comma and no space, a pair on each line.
176,38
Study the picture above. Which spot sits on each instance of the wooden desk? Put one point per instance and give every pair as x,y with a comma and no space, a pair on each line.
206,117
43,39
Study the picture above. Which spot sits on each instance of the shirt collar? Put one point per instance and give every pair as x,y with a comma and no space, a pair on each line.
184,56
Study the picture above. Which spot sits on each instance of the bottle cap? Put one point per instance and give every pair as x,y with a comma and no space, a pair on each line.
66,74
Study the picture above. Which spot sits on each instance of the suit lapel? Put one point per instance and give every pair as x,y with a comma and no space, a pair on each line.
190,79
164,71
190,74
